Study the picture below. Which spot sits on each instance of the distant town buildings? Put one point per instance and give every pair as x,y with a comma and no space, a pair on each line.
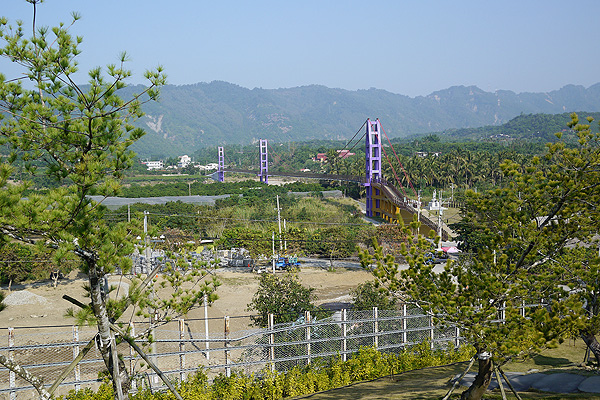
153,165
322,157
344,153
207,167
424,154
184,161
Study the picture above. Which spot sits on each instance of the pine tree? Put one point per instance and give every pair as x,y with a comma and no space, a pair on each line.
509,299
79,137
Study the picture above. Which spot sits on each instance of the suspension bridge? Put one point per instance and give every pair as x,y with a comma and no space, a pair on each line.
383,199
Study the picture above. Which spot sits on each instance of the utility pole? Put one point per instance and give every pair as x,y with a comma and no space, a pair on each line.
273,238
146,242
279,223
154,315
128,213
440,211
285,242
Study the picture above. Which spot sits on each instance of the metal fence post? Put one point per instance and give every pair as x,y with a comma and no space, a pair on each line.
344,332
227,361
404,335
153,347
207,354
11,374
181,349
375,328
271,344
457,340
307,322
431,333
77,369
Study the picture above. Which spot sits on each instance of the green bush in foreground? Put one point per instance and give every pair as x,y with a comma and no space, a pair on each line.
367,364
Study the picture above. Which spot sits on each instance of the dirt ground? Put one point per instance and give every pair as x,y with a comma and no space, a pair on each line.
235,292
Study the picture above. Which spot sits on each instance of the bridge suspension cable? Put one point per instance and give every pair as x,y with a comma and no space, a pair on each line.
358,141
397,180
400,163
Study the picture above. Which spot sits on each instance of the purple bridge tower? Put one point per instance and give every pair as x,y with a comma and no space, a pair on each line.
221,166
264,161
372,163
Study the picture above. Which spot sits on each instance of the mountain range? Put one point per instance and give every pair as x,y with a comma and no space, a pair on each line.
191,117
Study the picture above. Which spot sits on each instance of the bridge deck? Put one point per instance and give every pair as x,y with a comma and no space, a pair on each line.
329,177
394,196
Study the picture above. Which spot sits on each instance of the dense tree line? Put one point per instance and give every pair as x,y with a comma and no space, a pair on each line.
196,188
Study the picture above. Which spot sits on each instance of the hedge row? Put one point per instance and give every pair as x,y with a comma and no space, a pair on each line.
367,364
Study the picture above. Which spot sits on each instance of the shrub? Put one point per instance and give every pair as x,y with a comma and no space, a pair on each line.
321,375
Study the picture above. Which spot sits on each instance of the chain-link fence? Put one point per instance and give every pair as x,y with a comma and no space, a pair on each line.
182,347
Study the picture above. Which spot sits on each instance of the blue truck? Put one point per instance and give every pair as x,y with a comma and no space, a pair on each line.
287,262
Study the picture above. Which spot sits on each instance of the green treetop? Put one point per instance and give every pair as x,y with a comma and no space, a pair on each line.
524,229
78,136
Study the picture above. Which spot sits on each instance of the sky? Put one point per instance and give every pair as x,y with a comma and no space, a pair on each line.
406,47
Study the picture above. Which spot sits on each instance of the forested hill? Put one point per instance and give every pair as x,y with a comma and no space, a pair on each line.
207,114
530,127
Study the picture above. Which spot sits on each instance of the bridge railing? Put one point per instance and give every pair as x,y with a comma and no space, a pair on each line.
407,204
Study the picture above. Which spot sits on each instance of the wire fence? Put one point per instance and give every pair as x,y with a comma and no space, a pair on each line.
221,346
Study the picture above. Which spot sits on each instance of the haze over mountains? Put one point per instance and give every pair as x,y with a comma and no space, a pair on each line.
190,117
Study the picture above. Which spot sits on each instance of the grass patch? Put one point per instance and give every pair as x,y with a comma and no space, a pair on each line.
568,355
433,383
429,383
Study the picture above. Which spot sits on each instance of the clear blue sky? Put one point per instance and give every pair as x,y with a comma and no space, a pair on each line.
407,47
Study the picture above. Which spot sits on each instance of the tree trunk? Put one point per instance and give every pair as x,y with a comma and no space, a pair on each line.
590,341
120,380
482,380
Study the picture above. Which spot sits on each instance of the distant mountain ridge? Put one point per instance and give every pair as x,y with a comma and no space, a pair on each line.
190,117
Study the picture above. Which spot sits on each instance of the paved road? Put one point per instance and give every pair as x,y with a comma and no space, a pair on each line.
326,264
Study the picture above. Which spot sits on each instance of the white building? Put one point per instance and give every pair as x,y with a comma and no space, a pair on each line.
154,165
184,161
208,167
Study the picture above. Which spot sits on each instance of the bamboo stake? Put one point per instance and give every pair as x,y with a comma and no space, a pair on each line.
456,382
72,366
499,380
132,343
509,384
